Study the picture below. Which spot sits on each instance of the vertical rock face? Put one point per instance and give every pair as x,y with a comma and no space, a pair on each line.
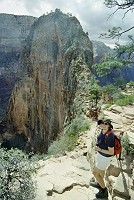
13,30
55,53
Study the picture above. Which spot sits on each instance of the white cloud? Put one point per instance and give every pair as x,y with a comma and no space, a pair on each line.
13,7
93,15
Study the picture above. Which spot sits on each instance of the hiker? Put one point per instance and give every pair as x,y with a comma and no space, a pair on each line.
105,152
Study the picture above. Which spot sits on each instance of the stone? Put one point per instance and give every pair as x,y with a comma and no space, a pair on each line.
44,186
131,137
116,109
113,170
77,193
77,172
129,111
121,187
82,163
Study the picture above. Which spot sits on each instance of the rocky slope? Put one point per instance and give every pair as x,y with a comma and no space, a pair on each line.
100,50
55,53
67,177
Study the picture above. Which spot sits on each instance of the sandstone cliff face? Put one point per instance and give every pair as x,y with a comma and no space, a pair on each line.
13,30
55,53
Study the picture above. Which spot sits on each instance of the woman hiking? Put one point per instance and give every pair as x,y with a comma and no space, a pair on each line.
105,152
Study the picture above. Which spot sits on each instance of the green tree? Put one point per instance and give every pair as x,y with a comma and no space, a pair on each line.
123,54
107,64
16,171
93,89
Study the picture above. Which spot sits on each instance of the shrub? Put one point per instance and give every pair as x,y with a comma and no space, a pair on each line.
125,100
67,140
107,93
79,124
117,95
120,82
126,144
108,105
131,83
16,172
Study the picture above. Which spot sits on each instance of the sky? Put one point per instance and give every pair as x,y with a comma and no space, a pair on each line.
93,15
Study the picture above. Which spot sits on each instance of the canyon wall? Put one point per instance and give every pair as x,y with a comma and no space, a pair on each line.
13,31
54,54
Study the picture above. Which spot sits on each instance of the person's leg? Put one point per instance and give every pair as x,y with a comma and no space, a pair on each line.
99,175
102,173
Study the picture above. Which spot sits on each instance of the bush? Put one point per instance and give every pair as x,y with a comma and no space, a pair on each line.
131,83
79,124
125,100
108,105
16,172
67,140
117,95
126,144
120,82
107,93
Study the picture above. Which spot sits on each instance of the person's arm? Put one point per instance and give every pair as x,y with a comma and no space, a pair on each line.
110,150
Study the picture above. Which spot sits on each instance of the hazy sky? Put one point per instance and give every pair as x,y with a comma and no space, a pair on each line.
92,14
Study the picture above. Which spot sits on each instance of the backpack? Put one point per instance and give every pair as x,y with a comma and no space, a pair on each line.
117,144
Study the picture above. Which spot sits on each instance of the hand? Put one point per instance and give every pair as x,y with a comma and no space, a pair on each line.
97,148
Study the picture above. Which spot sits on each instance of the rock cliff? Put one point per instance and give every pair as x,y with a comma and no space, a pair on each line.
54,54
13,31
